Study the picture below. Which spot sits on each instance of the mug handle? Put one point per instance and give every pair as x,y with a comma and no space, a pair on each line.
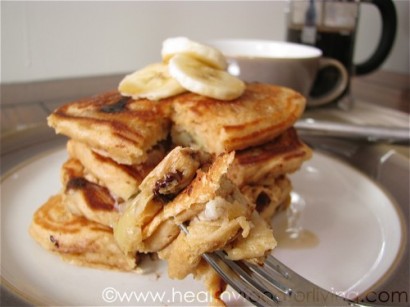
389,27
338,88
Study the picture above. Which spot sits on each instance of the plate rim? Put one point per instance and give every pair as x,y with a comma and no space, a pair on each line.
19,294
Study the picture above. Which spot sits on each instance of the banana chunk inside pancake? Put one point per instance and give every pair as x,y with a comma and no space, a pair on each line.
77,239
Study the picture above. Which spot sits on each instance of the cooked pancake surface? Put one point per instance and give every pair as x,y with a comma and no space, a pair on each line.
120,179
259,115
83,197
226,199
269,195
115,126
283,155
212,205
162,184
77,239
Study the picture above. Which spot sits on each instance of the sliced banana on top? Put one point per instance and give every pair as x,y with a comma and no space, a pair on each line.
201,79
182,45
152,82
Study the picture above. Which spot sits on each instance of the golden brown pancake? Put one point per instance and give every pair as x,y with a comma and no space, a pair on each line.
77,239
262,113
225,200
114,126
83,197
165,181
283,155
218,217
213,282
120,179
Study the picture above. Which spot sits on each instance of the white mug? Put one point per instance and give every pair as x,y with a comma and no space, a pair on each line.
281,63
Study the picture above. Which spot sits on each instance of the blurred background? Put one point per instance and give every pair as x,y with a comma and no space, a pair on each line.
57,40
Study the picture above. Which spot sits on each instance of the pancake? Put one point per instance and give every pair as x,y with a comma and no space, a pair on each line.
224,185
214,206
114,126
76,239
269,196
83,197
161,185
262,113
283,155
120,179
213,282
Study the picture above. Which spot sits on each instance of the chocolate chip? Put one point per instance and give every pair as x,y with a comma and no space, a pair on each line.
117,107
163,188
262,201
54,241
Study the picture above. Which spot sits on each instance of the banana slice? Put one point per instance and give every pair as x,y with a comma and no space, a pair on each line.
201,79
152,82
182,45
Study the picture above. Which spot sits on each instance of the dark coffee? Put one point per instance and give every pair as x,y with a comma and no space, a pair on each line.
337,44
334,43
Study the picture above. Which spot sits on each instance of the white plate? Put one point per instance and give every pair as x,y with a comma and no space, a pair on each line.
356,224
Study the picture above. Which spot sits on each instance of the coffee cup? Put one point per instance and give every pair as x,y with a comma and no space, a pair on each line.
281,63
331,26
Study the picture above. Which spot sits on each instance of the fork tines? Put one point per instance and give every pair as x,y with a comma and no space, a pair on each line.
272,283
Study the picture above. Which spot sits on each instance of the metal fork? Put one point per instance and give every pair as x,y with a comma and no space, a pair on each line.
273,283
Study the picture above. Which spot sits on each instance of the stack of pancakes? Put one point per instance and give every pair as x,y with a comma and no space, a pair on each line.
138,168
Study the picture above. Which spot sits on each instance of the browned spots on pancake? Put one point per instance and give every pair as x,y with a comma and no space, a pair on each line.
97,197
259,136
117,107
287,142
119,129
284,122
111,105
76,183
71,168
56,218
120,115
262,113
204,105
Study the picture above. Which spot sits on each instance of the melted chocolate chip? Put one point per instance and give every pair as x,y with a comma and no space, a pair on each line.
76,183
54,241
117,107
172,178
262,201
